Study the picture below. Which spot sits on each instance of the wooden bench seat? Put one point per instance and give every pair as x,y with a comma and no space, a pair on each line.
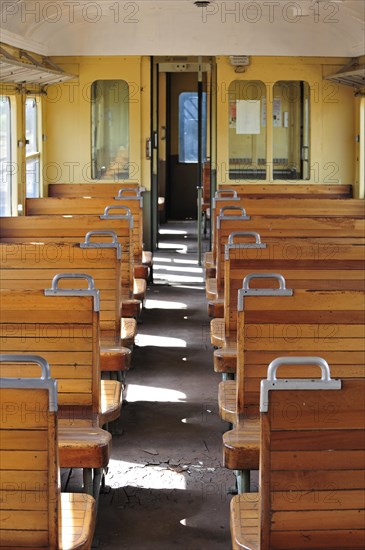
233,223
295,190
73,229
34,266
130,199
266,208
311,488
65,329
295,257
109,190
90,189
234,195
306,323
33,512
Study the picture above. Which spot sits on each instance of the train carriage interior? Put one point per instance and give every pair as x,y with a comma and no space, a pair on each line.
182,238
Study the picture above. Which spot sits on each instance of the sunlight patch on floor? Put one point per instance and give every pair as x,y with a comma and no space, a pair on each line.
181,248
174,278
164,304
143,475
137,392
196,287
143,340
172,232
182,269
178,261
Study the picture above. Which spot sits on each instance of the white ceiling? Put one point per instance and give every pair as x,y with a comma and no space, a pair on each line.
177,27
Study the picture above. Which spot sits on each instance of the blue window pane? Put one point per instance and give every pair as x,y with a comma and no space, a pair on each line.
188,127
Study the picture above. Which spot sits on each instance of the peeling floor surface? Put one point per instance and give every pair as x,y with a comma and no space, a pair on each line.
168,489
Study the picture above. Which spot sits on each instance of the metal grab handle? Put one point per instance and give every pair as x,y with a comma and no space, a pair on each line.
120,207
317,361
117,207
60,276
220,192
276,276
44,382
111,234
231,244
273,383
246,290
20,358
226,208
244,234
128,189
89,291
136,196
222,216
92,244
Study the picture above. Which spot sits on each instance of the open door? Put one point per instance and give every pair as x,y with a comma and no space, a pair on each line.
176,119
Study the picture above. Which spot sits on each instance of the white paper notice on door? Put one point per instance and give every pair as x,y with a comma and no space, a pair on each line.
248,114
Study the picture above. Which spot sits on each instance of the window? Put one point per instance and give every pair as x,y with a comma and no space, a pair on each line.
5,156
188,127
291,130
32,149
110,129
247,130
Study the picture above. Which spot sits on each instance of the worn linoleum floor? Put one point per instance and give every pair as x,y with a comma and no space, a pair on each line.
168,489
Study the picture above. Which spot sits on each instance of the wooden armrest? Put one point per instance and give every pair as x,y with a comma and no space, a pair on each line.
139,289
115,358
211,292
128,331
216,308
110,401
241,446
83,446
141,271
245,522
130,308
217,332
225,360
147,258
78,516
227,401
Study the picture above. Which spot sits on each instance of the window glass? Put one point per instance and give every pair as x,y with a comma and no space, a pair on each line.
31,129
5,156
32,178
291,130
110,129
188,127
247,130
32,151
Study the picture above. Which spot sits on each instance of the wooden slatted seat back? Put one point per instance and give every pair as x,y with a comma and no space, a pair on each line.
287,206
88,189
29,489
96,206
308,263
312,465
329,323
33,266
71,229
270,227
295,190
65,331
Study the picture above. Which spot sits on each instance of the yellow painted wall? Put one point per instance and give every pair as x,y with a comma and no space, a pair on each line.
68,117
333,114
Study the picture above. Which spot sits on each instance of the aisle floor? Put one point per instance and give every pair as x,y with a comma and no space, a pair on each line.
168,489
